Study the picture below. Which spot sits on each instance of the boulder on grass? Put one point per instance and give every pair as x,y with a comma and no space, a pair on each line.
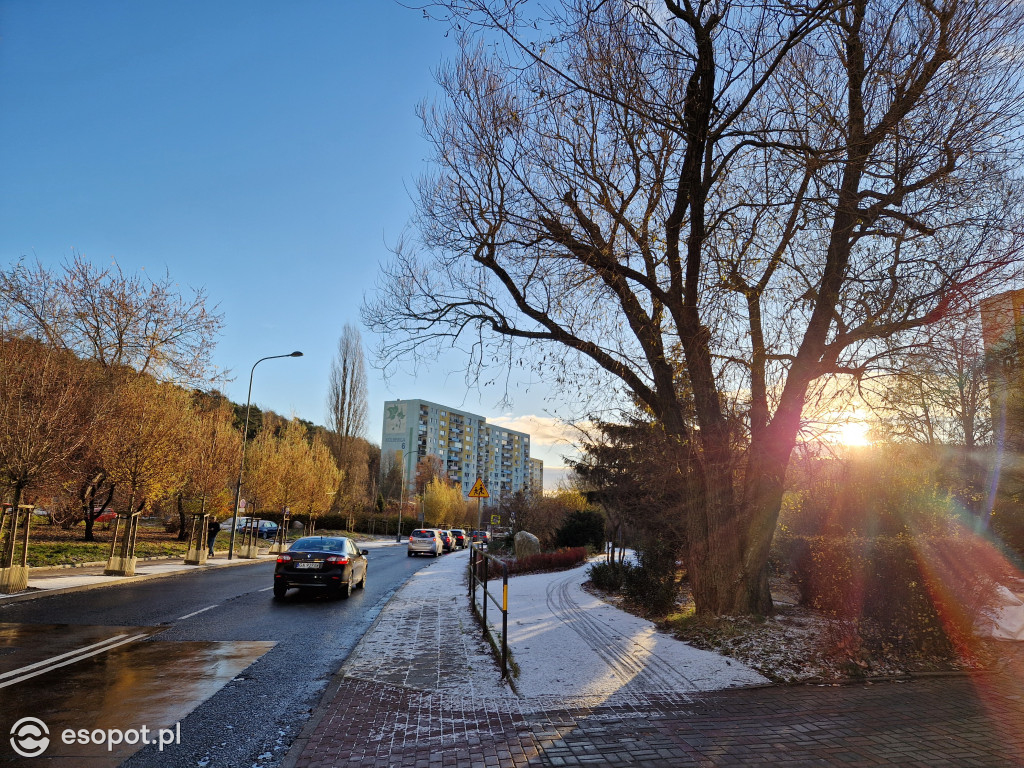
526,544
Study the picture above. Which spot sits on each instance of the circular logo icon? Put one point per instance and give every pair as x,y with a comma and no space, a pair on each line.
30,737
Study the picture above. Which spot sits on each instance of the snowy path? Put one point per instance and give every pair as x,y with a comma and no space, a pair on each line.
572,647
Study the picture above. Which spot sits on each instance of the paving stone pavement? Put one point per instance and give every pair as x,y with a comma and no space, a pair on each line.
420,692
951,721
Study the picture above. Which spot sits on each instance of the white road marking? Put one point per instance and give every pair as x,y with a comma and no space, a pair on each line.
195,613
78,655
52,659
265,590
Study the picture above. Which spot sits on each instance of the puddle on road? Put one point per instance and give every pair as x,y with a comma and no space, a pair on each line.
25,644
151,684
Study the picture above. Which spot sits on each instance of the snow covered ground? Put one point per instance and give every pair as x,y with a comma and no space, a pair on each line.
571,648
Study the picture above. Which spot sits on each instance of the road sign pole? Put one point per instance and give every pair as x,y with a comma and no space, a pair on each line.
479,493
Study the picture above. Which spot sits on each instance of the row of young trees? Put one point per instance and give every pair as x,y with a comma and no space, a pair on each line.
80,439
105,402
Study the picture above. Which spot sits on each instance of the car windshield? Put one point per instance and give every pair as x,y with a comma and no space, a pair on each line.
423,534
318,544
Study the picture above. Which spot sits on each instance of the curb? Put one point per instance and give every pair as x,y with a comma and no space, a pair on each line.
96,564
23,596
298,745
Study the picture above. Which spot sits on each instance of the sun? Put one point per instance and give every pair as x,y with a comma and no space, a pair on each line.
854,434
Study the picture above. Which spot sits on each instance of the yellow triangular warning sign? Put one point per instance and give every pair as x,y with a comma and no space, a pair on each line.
479,491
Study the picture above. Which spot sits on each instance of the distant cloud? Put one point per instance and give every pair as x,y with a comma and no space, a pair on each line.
543,430
553,477
550,440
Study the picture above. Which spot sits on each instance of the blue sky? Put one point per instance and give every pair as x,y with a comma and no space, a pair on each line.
264,151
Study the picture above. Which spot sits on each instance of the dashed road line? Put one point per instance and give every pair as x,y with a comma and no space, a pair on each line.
196,613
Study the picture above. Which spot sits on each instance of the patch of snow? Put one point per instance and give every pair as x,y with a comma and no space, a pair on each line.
1005,619
569,643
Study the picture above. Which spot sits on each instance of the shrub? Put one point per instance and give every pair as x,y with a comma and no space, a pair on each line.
652,583
902,593
608,577
883,491
561,560
1008,522
582,529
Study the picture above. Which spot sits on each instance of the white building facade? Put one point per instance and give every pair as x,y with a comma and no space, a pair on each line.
468,447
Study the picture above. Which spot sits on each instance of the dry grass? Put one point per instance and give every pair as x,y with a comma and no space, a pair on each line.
51,545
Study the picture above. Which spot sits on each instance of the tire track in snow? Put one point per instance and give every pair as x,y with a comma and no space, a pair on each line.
632,662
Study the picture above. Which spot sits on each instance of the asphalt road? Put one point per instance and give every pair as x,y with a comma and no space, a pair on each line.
208,655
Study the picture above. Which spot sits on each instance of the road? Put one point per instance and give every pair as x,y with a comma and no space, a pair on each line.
210,656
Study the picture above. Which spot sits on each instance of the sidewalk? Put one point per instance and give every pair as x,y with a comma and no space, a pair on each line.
50,581
601,687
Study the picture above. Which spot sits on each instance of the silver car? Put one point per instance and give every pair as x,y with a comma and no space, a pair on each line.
425,541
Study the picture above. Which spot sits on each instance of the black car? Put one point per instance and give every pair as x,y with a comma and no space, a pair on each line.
330,564
460,538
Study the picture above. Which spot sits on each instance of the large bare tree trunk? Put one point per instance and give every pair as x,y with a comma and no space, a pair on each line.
715,206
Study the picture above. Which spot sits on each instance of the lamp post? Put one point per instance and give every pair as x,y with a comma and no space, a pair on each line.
245,434
406,455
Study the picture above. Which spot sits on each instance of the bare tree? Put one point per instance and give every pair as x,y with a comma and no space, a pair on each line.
716,205
346,397
937,391
346,419
113,318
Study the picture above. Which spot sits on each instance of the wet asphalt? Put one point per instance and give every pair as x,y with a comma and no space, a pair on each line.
208,654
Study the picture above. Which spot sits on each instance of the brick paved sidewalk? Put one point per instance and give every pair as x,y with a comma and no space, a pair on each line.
421,691
956,721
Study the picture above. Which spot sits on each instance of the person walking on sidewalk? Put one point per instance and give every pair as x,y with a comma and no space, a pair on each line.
212,529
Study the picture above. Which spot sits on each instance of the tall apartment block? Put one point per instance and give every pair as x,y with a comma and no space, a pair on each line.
536,477
467,445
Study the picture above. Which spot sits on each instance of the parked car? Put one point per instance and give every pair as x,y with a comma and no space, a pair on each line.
329,564
461,539
266,529
481,537
447,540
425,541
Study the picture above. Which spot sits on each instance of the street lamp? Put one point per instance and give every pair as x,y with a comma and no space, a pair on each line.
406,456
245,434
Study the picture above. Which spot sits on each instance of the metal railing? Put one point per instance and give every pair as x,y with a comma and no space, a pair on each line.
478,562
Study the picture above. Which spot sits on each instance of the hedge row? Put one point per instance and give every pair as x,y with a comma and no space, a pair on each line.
895,593
560,560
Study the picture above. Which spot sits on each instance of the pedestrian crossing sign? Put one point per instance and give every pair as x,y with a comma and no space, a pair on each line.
479,491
